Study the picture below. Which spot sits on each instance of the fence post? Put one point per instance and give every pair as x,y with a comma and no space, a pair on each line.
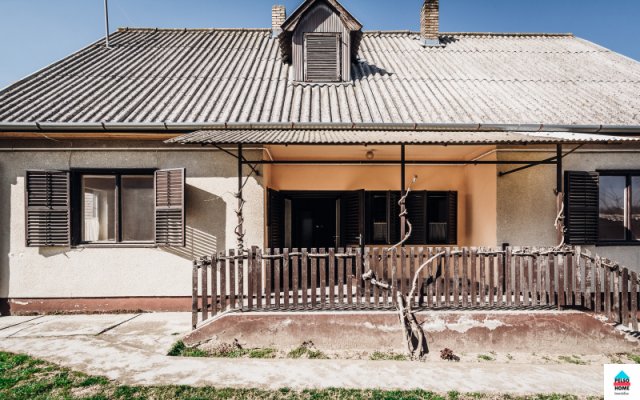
204,289
194,295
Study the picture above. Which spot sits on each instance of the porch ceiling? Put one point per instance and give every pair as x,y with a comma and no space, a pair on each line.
390,137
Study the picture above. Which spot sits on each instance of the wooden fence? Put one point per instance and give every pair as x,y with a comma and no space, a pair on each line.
461,278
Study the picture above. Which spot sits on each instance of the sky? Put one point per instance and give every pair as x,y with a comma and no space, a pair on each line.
36,33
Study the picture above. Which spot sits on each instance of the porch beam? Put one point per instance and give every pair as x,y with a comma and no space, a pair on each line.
239,227
403,166
550,161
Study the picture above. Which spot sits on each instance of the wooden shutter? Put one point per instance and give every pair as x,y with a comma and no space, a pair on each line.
275,219
48,208
170,207
353,217
394,217
322,57
452,218
582,202
416,205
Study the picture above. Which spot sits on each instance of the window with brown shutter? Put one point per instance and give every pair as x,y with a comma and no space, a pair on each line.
322,57
48,208
582,201
170,207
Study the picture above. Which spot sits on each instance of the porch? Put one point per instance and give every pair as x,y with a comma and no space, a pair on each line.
456,279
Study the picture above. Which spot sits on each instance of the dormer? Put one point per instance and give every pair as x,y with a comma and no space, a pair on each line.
320,40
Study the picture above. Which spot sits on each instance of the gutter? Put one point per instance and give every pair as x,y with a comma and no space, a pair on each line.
191,127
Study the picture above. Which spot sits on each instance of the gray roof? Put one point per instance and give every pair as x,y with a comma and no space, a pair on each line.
205,76
333,136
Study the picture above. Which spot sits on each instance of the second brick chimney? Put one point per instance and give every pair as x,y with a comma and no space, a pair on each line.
278,16
430,23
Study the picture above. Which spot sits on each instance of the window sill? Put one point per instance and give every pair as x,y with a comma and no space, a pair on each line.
115,246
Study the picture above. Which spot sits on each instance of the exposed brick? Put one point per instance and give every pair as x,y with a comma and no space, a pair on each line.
278,16
430,20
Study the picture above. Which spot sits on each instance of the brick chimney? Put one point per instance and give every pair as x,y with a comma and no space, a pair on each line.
430,23
278,16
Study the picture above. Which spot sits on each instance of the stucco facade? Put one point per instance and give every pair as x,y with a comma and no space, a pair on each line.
526,201
111,272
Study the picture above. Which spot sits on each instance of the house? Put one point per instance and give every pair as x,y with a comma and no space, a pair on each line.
122,163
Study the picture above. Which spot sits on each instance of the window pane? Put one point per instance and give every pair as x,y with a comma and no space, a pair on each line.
137,208
99,208
611,221
635,207
437,217
379,216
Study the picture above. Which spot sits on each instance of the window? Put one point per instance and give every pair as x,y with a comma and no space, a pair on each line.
322,57
379,217
619,207
105,207
602,207
433,216
117,208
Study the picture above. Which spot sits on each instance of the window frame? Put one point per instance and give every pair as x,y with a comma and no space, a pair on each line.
628,196
339,55
77,206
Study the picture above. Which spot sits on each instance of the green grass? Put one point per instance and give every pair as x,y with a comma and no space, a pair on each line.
307,350
634,357
572,360
485,357
26,378
179,349
379,356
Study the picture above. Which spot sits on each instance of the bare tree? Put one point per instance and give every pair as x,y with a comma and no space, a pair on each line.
414,336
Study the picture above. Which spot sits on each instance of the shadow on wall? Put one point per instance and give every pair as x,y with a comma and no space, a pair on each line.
206,222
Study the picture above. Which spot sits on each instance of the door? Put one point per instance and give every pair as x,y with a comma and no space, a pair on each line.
353,226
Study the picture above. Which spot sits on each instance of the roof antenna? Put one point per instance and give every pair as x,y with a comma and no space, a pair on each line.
106,22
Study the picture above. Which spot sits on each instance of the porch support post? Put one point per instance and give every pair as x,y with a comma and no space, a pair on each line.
559,196
239,212
403,218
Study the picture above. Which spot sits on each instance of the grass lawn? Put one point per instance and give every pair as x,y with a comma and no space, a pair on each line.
23,377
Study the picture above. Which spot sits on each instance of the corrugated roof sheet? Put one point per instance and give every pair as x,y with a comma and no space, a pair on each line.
332,136
204,76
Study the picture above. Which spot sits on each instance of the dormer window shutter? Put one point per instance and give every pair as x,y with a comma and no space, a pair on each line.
322,57
170,207
48,222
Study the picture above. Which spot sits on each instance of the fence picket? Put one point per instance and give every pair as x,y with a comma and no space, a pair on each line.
340,277
561,286
204,290
194,295
314,277
250,277
616,295
535,275
634,301
625,297
214,285
349,277
268,272
332,277
231,261
304,276
606,291
323,278
358,282
259,282
285,277
295,281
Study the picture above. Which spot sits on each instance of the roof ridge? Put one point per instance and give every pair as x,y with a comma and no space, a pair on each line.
128,28
366,32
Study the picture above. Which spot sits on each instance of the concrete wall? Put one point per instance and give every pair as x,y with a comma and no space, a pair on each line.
526,207
129,272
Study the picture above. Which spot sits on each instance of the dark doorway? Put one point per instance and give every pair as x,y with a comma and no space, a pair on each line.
315,219
314,222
